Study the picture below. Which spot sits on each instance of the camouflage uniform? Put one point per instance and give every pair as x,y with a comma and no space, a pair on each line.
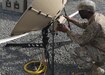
92,41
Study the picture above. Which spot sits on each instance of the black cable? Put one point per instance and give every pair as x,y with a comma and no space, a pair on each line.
45,42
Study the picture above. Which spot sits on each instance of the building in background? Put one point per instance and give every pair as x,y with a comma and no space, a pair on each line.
16,5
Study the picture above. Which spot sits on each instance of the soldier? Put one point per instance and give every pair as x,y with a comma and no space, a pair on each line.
92,40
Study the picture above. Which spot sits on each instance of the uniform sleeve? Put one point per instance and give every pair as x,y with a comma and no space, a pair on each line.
87,36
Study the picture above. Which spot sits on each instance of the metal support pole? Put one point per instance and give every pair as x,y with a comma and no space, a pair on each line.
67,20
53,49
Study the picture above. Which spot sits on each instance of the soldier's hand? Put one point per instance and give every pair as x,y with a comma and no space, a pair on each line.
62,28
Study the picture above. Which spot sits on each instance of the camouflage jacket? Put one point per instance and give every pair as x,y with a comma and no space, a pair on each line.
94,33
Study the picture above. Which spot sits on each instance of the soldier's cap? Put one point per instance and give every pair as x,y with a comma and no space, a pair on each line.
87,5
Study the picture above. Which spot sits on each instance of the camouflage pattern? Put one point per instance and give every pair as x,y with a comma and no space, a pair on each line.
87,5
92,41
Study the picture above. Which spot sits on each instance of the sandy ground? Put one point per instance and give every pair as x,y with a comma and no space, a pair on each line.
12,60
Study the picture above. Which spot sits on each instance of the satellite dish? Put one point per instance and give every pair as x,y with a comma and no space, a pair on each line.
31,21
51,7
61,20
38,15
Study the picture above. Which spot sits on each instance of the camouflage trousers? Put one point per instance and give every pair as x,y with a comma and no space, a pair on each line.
86,56
89,53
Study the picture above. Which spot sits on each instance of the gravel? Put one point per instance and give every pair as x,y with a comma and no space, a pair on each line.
12,60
